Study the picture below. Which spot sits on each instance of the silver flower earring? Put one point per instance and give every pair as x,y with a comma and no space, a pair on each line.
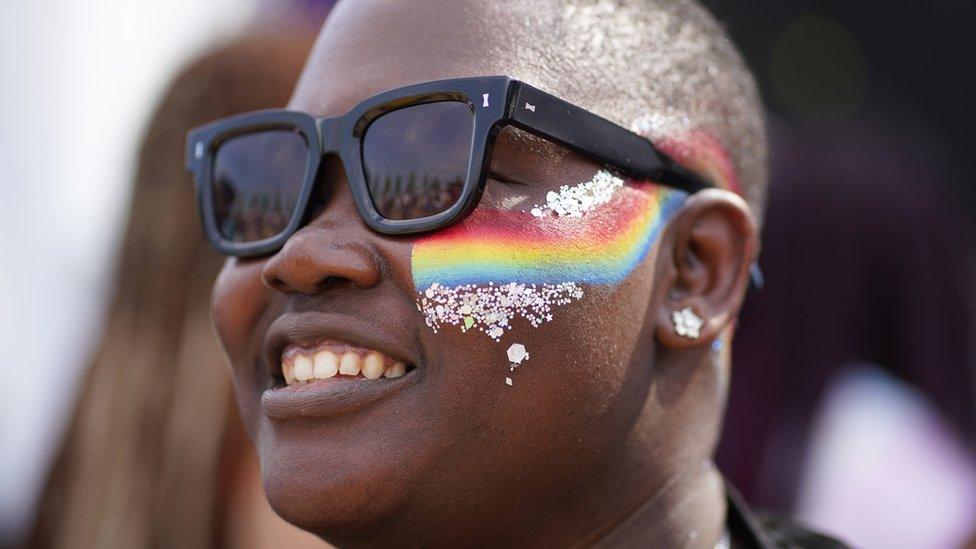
687,323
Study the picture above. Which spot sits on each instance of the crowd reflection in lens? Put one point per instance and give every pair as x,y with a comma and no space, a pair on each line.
257,180
415,159
396,197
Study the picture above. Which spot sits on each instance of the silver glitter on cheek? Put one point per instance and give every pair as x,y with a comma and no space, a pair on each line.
491,308
517,353
574,201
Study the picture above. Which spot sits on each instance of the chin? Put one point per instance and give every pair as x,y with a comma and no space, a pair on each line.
335,494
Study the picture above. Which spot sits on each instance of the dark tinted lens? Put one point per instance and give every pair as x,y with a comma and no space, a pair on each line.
257,178
416,158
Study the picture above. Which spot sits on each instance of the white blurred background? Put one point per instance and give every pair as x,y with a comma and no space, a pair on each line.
80,79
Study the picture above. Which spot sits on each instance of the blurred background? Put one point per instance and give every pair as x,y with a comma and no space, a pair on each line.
854,381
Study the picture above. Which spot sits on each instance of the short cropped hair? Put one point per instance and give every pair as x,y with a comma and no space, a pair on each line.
665,68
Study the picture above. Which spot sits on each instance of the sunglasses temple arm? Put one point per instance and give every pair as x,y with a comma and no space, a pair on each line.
547,116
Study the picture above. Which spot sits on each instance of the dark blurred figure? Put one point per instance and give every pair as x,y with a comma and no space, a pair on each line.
866,258
870,234
901,67
155,455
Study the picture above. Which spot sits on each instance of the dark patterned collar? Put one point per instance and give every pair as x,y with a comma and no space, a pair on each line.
748,529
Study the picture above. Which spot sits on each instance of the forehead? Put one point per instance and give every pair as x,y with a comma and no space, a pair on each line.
370,46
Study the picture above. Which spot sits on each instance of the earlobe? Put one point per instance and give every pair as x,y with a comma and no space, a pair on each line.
706,254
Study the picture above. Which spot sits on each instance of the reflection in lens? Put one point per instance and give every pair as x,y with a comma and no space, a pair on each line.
416,158
257,178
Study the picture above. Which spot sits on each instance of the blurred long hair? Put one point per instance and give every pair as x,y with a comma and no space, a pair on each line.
148,458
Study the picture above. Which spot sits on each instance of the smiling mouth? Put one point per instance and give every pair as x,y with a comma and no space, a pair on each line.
332,358
324,364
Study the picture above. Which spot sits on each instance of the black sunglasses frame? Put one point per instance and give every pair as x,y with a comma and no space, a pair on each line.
496,102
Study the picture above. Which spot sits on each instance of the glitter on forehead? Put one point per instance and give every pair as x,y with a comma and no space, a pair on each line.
623,59
574,201
689,76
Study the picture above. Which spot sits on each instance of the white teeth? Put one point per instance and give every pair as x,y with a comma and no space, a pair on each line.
303,368
349,364
396,370
326,364
288,370
373,366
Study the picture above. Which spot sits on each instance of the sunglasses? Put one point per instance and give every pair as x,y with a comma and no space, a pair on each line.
416,158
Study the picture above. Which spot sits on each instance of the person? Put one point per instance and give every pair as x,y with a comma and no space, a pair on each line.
154,455
532,346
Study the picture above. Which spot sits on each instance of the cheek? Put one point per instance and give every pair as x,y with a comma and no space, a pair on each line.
539,321
529,268
237,302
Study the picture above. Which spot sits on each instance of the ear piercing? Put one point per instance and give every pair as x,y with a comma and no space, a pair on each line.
717,353
686,323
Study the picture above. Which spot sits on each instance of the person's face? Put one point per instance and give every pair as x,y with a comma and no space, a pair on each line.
462,434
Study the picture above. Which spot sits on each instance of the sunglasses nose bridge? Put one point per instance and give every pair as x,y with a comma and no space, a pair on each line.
330,130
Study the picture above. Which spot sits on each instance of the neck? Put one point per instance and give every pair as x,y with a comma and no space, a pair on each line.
686,511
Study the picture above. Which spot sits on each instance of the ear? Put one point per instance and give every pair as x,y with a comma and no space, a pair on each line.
704,264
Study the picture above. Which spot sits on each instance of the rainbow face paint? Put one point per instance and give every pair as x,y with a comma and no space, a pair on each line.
494,246
499,264
502,264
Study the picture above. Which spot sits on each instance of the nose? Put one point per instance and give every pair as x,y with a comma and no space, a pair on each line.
309,263
334,248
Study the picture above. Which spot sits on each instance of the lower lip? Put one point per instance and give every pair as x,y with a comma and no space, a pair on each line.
331,397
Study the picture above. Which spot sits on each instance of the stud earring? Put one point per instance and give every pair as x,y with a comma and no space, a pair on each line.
717,353
686,323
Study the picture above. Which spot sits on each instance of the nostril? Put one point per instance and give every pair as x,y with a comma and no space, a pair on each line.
327,282
278,284
306,278
310,264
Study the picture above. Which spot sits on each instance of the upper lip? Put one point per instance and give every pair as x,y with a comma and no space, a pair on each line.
307,329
